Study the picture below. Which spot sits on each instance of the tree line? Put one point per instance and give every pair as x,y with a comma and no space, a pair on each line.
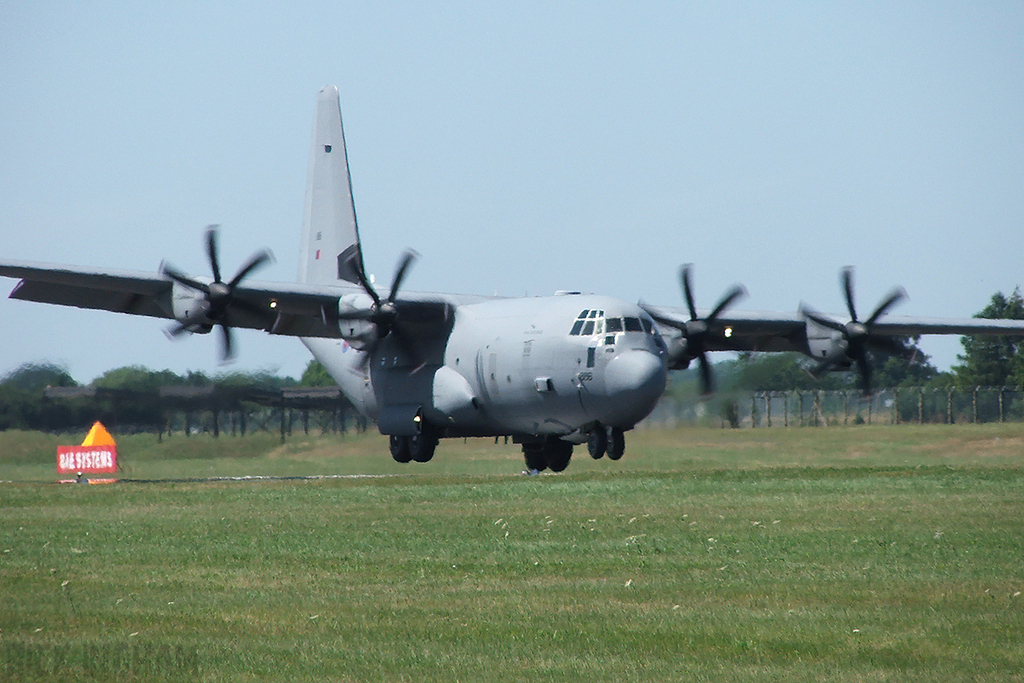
129,395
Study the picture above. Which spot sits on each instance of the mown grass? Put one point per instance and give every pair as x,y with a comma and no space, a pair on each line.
855,554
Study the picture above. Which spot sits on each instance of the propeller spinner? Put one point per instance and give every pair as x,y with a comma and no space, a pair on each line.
219,295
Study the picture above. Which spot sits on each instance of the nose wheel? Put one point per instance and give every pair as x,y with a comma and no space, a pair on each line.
606,440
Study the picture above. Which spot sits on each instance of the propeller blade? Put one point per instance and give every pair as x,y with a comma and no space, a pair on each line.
810,313
181,278
364,282
403,267
737,292
684,277
227,352
895,296
176,331
707,380
847,279
257,260
864,368
211,251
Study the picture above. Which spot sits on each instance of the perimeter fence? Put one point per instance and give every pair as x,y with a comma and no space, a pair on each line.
904,405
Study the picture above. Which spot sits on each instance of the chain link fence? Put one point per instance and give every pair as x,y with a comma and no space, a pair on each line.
905,405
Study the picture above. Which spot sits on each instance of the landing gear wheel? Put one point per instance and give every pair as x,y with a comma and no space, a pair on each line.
616,443
422,445
400,448
597,443
558,453
533,453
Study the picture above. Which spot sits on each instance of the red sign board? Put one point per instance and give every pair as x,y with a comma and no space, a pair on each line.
86,459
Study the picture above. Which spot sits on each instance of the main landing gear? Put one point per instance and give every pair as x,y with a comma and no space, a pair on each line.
554,454
551,453
419,447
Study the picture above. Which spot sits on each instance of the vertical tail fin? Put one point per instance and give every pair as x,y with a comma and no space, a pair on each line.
330,236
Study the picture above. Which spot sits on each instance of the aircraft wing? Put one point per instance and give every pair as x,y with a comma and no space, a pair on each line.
279,308
739,330
773,331
137,293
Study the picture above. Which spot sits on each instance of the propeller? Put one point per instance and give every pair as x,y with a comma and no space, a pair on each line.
858,336
220,296
384,312
697,330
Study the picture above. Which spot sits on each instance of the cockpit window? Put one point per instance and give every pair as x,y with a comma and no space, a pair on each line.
633,325
588,322
613,325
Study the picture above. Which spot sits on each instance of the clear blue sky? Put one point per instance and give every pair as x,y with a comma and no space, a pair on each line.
520,149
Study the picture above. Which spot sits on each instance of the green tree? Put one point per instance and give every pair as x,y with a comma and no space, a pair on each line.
38,376
993,361
136,378
315,375
262,379
775,372
895,371
23,404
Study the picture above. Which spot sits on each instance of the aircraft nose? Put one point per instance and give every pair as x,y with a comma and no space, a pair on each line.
635,380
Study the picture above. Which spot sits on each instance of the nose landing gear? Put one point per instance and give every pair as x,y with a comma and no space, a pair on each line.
606,440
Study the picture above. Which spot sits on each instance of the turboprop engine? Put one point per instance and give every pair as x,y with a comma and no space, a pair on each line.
836,344
190,308
695,335
200,303
360,332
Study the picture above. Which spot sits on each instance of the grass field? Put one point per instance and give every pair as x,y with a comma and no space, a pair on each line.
833,554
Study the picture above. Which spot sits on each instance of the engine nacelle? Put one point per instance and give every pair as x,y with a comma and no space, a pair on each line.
360,334
676,348
824,342
190,307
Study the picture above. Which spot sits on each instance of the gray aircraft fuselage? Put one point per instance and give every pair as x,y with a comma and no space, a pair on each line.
528,368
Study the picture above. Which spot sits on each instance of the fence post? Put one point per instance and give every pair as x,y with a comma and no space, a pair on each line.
895,405
785,408
920,405
949,406
1001,390
768,407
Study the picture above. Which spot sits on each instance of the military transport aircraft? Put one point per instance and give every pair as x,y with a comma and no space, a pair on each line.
551,372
